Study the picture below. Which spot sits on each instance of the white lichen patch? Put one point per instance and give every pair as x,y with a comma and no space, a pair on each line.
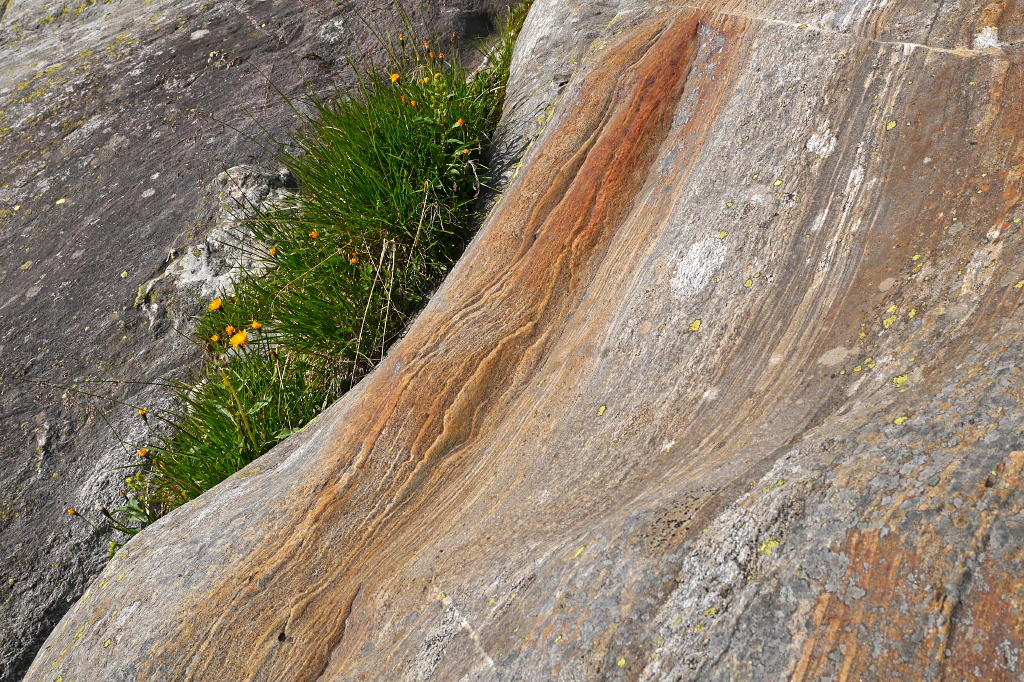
987,38
695,269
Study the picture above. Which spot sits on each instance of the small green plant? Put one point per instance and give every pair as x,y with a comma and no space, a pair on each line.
388,175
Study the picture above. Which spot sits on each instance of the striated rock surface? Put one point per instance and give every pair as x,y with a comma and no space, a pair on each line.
117,120
727,388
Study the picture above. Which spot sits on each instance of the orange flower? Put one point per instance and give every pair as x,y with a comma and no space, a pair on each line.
255,324
143,452
272,252
215,338
272,351
441,56
412,103
403,99
239,339
459,122
425,44
431,54
401,36
229,330
216,304
141,411
395,77
72,512
353,260
314,234
465,151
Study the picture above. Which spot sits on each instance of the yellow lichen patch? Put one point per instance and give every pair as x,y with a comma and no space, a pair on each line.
917,256
695,325
712,611
767,546
891,309
869,363
579,552
890,125
899,420
857,368
1019,284
600,410
889,321
777,183
913,311
899,380
622,663
723,234
749,283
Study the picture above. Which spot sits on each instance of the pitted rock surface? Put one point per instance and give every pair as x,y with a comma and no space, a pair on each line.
116,119
727,387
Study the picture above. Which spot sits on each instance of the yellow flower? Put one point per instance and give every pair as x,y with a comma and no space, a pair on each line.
353,260
272,252
229,330
72,512
216,304
141,411
314,234
239,339
215,338
255,325
426,79
395,77
143,452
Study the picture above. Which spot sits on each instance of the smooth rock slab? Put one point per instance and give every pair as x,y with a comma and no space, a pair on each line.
726,388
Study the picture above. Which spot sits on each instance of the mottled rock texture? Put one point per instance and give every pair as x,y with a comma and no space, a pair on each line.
727,388
116,122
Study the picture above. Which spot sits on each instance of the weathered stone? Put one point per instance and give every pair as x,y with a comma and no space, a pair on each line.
115,121
725,389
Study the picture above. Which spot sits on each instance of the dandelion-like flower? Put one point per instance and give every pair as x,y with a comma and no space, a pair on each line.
441,55
412,103
215,338
141,411
314,234
431,54
229,330
460,123
425,44
401,36
272,252
72,512
272,351
216,304
353,260
395,77
143,452
426,79
240,339
255,325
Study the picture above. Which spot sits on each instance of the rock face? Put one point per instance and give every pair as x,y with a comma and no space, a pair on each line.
727,388
117,121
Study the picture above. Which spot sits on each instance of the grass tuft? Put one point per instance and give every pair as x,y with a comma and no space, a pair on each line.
388,174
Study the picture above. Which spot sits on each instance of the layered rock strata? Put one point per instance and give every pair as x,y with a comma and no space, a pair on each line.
728,387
